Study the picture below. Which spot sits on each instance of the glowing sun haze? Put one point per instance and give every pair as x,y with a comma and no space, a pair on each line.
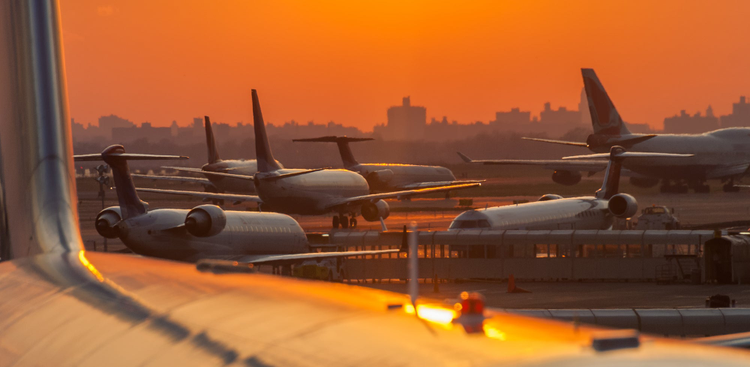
348,61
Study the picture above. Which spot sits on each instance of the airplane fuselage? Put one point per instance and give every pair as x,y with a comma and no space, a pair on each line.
309,194
717,154
235,166
156,233
572,213
384,177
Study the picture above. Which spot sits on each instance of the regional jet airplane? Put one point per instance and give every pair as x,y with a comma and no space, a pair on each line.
212,182
311,191
555,212
204,232
722,154
384,177
63,306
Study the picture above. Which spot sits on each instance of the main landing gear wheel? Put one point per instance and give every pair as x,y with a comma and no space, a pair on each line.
344,222
336,222
729,187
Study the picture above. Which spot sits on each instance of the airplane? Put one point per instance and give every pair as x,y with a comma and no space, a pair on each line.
204,232
722,154
215,183
311,191
385,177
62,305
552,212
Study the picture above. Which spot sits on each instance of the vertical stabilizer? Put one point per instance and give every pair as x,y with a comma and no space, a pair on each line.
344,149
611,184
604,116
213,153
266,162
130,204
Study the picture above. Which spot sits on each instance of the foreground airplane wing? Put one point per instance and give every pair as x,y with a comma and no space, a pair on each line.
398,194
244,261
206,195
563,142
202,181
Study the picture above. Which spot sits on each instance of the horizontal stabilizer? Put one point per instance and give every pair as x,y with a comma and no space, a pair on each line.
333,139
206,195
128,156
563,142
430,184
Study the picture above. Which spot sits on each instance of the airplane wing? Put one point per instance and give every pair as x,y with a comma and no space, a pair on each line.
129,156
244,261
202,181
210,173
563,142
554,164
397,194
425,185
206,195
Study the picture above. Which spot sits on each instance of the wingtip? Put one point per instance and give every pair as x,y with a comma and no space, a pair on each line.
464,157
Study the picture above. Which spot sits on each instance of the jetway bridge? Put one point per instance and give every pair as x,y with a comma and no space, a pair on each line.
697,256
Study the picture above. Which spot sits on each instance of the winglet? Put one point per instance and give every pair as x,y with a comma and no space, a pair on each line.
464,157
266,162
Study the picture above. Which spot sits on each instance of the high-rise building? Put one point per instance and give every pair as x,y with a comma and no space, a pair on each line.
405,122
740,116
695,124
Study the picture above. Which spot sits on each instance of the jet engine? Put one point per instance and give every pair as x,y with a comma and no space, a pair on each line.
374,211
623,206
205,220
644,182
106,222
381,177
548,197
567,178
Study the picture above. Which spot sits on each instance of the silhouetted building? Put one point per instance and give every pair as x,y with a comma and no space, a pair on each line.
695,124
108,123
508,120
151,134
405,122
740,116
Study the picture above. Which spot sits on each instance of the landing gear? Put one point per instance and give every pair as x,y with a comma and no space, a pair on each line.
353,222
344,221
336,222
702,189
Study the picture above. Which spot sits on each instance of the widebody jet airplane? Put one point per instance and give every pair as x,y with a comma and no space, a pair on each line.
552,212
204,232
212,182
63,306
311,191
722,154
385,177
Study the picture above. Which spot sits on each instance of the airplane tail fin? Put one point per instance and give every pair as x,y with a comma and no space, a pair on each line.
266,162
343,143
115,156
213,153
604,116
611,183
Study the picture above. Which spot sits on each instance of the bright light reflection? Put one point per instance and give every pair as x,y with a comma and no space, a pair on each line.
90,266
494,333
435,314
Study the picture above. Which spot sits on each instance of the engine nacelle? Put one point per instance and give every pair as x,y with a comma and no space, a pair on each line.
106,222
567,178
374,211
205,220
380,177
644,182
623,206
548,197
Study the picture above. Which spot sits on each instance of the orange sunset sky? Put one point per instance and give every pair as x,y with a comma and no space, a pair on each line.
348,61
